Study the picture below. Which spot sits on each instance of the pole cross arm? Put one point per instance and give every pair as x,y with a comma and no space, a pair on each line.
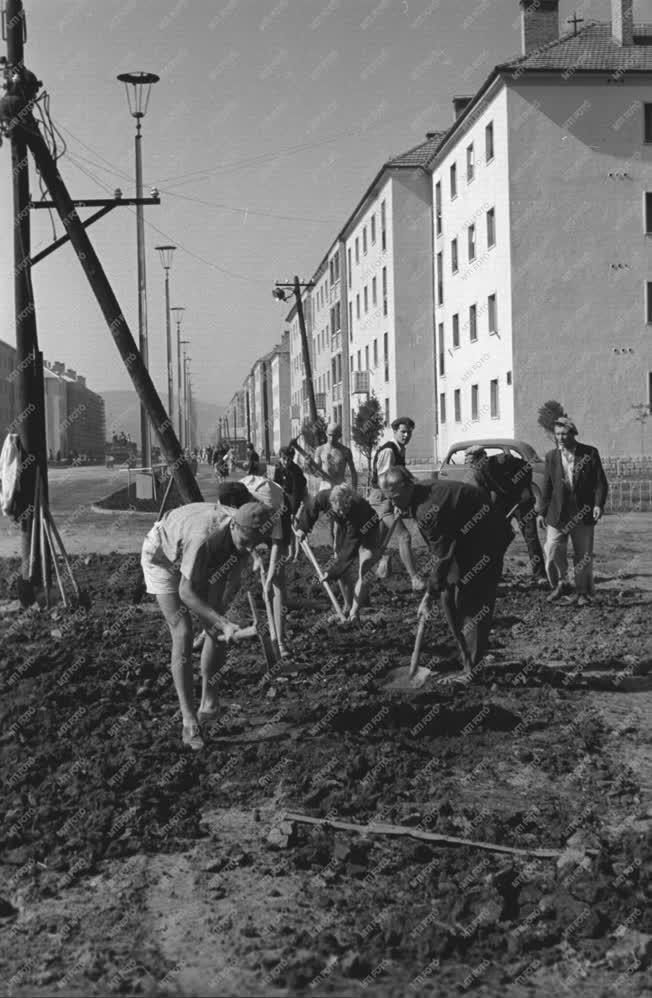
64,239
97,202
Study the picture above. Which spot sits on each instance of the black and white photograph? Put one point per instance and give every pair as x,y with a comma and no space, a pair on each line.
326,498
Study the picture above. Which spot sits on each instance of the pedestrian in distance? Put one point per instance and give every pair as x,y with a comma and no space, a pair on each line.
252,460
574,494
393,454
464,536
508,481
188,557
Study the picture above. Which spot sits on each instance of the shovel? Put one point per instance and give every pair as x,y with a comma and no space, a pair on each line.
264,638
414,676
307,550
271,623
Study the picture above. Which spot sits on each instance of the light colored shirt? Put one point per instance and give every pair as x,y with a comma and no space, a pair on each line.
387,459
195,539
568,464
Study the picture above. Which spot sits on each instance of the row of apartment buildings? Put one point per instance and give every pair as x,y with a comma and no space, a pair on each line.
75,422
500,263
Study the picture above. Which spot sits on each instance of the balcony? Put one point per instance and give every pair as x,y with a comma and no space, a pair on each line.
337,392
334,292
336,342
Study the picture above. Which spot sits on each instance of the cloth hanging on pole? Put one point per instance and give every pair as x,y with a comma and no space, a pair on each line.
13,461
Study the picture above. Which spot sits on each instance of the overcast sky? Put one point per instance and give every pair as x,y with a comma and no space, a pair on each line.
270,119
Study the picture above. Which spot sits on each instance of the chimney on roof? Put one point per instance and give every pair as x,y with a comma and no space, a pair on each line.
460,105
81,380
622,21
539,23
70,373
58,367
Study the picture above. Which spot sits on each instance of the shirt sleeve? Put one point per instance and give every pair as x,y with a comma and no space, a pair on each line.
385,460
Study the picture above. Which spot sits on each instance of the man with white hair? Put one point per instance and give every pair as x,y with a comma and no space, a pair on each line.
572,501
360,531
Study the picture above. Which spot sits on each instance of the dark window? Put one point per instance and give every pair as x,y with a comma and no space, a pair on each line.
492,311
473,323
386,355
453,180
456,330
471,240
649,302
374,291
647,109
454,256
509,377
364,239
383,226
457,403
373,228
375,353
491,227
438,207
489,141
442,408
366,299
349,255
442,356
474,402
470,163
366,358
384,290
386,412
493,390
440,278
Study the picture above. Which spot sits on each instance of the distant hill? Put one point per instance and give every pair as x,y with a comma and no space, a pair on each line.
123,414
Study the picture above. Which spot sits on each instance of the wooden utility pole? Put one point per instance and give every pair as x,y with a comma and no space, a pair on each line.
312,405
29,403
170,448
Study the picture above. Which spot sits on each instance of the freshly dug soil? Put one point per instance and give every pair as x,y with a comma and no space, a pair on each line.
185,877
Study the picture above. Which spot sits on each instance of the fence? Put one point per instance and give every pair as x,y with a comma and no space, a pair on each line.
627,467
629,496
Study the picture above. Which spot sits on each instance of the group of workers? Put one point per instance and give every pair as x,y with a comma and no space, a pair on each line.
192,559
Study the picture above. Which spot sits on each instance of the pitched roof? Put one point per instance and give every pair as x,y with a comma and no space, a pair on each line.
591,49
419,155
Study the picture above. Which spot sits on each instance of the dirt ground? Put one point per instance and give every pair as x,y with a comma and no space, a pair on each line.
134,867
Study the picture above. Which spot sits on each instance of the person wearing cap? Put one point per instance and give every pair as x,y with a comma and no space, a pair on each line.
360,532
333,458
187,559
574,493
392,454
508,480
462,530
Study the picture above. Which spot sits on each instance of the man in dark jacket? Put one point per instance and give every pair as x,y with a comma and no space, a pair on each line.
253,460
574,493
466,541
508,480
291,478
360,532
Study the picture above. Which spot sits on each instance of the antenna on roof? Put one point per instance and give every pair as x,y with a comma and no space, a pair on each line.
574,20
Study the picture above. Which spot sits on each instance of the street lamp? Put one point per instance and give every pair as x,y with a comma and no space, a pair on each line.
178,315
138,87
165,253
186,379
184,425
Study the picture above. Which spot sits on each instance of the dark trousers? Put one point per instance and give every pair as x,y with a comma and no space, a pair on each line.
527,521
469,611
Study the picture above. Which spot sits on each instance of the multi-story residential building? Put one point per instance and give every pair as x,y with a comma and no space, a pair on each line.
235,417
542,194
280,394
321,339
389,292
250,422
261,407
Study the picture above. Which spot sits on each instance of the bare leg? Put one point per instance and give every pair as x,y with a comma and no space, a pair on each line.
448,605
213,657
179,624
405,549
279,602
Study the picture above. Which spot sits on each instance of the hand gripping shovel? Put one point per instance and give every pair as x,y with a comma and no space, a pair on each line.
305,547
414,676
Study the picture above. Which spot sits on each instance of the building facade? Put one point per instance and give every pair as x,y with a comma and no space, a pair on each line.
552,289
280,395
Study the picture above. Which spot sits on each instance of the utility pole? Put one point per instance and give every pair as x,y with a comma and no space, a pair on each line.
279,294
165,253
179,310
30,414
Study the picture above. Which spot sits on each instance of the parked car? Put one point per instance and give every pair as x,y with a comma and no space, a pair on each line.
453,464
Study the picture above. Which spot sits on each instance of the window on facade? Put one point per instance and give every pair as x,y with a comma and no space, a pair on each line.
364,239
509,377
442,356
453,179
325,290
474,402
359,360
471,239
457,404
454,264
489,141
357,250
338,317
373,228
438,225
383,226
357,306
473,323
348,252
442,407
375,353
384,290
647,112
470,164
366,358
491,227
494,407
492,312
374,291
456,330
440,278
386,355
386,412
648,213
366,299
350,320
648,306
334,370
351,364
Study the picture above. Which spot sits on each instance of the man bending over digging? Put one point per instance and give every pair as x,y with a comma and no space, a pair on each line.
187,559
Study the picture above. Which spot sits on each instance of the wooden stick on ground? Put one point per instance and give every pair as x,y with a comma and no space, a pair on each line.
46,529
57,537
271,623
417,833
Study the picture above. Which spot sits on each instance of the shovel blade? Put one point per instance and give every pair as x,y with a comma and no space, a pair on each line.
400,679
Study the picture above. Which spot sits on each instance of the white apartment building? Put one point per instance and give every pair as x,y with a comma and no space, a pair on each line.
389,291
321,340
279,380
542,194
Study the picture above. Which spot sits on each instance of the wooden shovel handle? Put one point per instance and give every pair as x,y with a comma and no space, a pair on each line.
416,652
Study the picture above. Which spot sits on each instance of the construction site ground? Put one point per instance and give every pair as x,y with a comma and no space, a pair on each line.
132,866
